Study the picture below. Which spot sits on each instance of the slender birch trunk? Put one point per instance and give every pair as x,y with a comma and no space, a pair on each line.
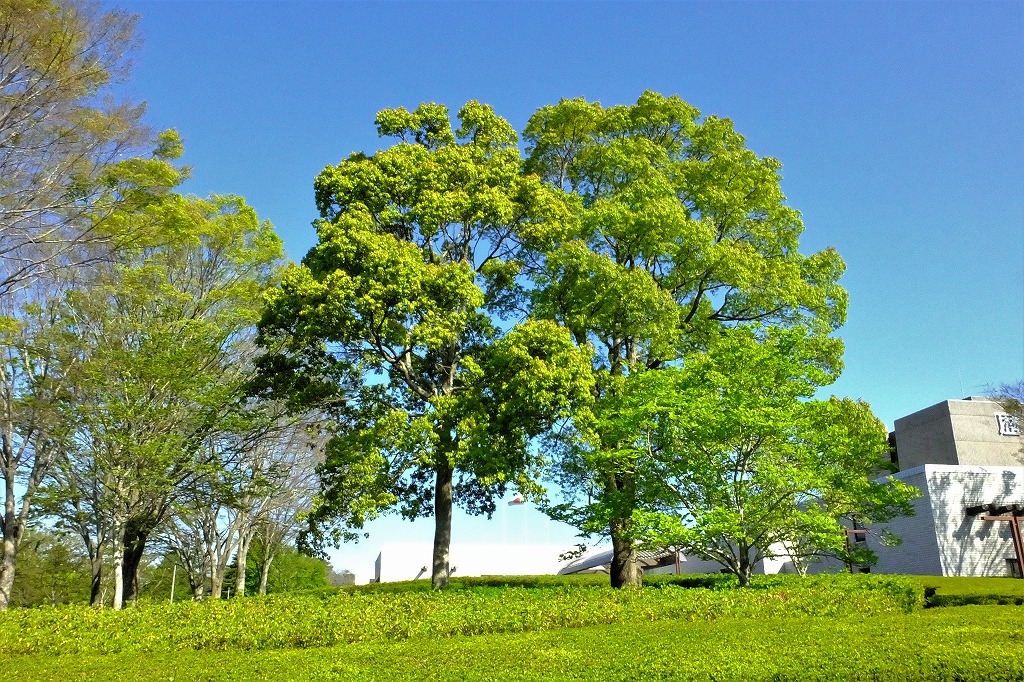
244,542
265,573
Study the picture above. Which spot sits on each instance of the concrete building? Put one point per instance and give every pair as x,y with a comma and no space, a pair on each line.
967,459
973,431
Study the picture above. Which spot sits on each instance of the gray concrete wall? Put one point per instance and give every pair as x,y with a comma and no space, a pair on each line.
976,432
956,432
918,552
925,437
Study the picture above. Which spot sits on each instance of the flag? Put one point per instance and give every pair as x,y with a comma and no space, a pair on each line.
518,499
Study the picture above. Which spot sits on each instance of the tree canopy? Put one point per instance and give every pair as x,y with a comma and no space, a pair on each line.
681,232
735,462
400,308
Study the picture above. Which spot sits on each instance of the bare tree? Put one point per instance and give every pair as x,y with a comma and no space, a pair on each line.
65,143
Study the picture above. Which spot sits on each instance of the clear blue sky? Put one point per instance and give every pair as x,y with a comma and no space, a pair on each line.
900,127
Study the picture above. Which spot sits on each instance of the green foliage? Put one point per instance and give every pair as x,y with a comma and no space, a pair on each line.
390,324
755,465
290,571
326,620
963,591
67,145
681,232
729,459
973,644
157,345
51,570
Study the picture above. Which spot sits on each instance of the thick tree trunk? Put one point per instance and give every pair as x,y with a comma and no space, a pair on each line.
134,546
7,567
442,523
216,583
13,530
744,567
197,587
625,571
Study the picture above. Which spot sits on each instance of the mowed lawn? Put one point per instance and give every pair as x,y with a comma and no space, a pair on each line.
973,642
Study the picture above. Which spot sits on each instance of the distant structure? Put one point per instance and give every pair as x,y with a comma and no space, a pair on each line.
412,560
967,459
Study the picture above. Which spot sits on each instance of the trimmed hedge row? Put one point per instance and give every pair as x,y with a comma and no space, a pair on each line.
976,591
318,621
966,644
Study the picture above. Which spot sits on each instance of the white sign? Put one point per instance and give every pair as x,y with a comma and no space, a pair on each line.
1009,424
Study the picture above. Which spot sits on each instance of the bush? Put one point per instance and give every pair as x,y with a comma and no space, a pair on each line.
941,591
315,620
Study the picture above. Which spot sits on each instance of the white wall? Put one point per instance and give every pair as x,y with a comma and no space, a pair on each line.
404,561
941,539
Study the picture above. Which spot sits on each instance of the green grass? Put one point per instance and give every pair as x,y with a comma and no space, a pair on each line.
965,644
978,591
865,627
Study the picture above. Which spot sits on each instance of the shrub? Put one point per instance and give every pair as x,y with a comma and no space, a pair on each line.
313,620
940,591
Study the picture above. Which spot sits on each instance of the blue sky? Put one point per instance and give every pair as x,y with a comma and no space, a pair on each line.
899,127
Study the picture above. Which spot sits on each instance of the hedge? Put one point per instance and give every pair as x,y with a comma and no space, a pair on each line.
287,621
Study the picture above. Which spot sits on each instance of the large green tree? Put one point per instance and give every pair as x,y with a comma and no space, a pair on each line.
681,231
398,309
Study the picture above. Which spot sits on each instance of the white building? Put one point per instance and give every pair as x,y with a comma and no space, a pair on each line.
412,560
944,537
961,455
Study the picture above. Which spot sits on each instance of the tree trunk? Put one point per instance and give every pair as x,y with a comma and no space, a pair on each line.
216,583
9,558
118,572
96,582
744,567
265,571
244,542
442,523
135,535
197,587
12,534
7,566
625,571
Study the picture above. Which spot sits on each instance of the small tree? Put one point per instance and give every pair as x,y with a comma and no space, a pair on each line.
740,464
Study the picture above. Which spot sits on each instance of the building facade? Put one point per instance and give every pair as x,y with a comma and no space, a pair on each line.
967,459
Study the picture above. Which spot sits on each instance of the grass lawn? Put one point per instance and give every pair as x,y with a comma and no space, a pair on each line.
962,643
959,643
